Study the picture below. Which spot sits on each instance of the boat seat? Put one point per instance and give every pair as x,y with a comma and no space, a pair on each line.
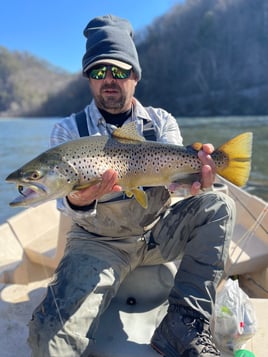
127,325
40,241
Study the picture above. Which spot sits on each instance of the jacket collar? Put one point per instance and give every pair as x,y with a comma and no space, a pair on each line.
139,112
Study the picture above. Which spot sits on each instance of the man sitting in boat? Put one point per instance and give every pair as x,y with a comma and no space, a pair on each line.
112,234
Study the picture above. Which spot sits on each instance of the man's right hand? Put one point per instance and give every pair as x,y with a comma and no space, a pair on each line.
88,195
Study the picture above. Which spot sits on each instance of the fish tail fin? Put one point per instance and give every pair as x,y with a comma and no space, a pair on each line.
238,152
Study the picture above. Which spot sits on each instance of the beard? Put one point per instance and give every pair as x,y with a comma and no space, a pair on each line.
108,102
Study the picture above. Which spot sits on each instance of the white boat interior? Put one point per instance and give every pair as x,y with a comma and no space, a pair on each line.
32,243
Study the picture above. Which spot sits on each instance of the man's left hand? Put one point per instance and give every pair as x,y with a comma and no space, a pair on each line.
208,172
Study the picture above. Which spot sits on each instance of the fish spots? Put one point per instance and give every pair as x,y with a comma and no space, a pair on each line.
128,159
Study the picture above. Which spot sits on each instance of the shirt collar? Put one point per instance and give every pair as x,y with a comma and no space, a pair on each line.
139,112
94,113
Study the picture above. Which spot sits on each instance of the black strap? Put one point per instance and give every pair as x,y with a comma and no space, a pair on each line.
149,130
81,122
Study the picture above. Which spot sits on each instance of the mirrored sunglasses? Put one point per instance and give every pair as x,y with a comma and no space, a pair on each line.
117,73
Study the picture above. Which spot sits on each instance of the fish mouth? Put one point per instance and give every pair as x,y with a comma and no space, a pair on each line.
29,194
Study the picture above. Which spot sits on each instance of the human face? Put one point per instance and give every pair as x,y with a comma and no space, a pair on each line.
111,94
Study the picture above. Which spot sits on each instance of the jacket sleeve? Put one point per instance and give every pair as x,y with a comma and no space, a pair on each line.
63,131
167,128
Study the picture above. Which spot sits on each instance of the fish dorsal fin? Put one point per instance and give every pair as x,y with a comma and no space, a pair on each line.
128,132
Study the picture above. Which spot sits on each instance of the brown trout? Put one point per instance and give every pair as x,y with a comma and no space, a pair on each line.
78,164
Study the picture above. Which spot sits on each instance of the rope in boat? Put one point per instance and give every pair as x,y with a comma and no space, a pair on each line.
257,223
249,233
259,219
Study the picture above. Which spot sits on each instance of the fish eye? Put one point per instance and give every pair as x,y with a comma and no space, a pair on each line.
35,175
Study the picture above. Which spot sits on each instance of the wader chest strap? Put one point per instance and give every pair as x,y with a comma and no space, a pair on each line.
81,122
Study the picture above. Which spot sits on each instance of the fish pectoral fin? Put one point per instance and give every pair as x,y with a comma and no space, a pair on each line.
87,184
139,195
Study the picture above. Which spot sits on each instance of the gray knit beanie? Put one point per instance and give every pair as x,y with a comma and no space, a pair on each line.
110,40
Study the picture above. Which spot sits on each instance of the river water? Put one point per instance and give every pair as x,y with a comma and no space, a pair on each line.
22,139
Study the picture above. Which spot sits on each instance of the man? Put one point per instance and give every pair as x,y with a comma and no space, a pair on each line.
105,242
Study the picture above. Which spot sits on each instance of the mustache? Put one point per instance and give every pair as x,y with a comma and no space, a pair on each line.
110,86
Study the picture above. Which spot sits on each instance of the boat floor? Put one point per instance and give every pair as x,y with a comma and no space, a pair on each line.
18,301
27,262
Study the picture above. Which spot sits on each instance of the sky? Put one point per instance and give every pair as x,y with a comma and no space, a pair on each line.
52,30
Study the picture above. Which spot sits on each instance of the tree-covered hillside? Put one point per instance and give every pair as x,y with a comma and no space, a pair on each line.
26,82
203,57
208,57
